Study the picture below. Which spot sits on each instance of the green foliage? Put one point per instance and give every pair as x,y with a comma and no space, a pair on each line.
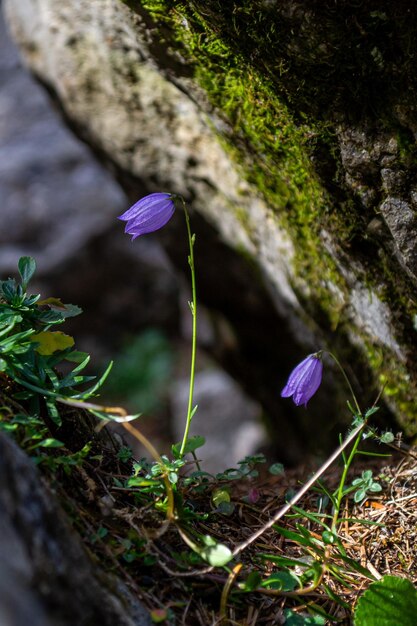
391,601
148,477
387,437
27,268
30,351
34,437
282,580
298,619
276,469
221,501
365,485
216,554
246,469
193,443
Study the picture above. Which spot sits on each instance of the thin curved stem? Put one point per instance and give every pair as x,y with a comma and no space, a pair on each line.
193,308
340,489
339,365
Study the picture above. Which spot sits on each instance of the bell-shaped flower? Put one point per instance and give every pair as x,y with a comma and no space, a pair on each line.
304,380
148,214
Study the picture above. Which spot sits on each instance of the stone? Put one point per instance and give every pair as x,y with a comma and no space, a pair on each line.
401,220
46,577
53,196
284,168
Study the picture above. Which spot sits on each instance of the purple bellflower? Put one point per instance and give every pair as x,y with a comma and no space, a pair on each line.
304,380
148,214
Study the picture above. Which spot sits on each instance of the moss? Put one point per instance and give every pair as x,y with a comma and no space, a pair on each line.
279,119
273,151
394,379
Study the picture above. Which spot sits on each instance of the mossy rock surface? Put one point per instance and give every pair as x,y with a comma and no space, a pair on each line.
289,126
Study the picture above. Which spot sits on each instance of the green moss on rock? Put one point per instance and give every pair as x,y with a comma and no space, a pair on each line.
280,98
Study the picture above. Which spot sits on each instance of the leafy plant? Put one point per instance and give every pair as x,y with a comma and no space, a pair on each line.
31,350
364,485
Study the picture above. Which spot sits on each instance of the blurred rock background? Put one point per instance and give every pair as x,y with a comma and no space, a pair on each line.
59,205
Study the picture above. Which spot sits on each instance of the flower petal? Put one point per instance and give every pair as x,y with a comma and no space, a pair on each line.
309,382
304,380
148,214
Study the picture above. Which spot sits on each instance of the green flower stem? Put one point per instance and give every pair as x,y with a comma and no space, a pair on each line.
193,307
346,462
346,465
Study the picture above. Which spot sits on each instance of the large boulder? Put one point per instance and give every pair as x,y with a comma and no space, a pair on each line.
289,127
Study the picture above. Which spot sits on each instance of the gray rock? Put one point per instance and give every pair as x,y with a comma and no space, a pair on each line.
46,578
401,219
53,196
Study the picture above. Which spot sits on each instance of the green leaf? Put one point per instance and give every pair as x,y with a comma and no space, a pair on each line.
328,537
284,581
53,411
71,310
193,443
14,342
78,357
391,601
8,288
276,469
298,619
216,555
89,392
173,478
359,496
65,310
49,317
220,495
50,342
286,561
301,538
355,565
387,437
375,488
9,316
27,267
137,481
51,443
226,508
252,582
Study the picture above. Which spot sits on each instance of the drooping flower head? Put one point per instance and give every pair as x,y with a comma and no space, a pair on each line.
148,214
304,380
